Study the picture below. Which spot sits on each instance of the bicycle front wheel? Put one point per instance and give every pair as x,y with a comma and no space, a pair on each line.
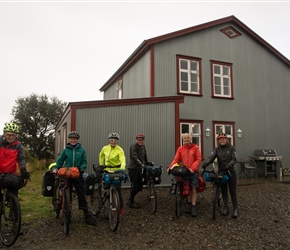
114,211
10,220
215,197
66,210
178,199
152,196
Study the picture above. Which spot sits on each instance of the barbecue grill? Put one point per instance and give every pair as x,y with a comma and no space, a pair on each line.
269,159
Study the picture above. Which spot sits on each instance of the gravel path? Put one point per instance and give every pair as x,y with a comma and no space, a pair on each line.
263,223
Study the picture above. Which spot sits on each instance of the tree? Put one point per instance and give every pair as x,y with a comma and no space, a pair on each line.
37,117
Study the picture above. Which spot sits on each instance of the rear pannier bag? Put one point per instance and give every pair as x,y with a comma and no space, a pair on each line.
47,184
91,181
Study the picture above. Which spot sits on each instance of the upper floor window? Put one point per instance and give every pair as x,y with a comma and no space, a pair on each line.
58,142
222,83
194,130
120,89
189,80
224,127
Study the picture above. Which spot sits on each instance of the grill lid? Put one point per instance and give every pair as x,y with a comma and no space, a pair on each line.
265,152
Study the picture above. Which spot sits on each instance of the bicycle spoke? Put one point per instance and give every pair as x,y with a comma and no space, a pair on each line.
114,212
152,197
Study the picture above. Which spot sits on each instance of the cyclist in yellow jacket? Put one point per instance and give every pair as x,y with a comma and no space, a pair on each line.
112,157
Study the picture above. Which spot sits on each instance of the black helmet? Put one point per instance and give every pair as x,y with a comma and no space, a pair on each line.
74,134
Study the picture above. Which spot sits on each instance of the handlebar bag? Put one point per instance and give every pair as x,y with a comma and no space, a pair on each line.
72,172
113,178
180,171
154,171
10,181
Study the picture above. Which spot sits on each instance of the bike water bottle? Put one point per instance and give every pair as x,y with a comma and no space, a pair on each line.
172,190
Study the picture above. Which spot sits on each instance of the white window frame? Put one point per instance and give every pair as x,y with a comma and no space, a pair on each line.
195,135
120,89
222,80
190,73
223,127
64,136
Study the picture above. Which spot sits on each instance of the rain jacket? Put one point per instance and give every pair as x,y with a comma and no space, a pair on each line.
226,157
72,157
11,156
112,156
189,155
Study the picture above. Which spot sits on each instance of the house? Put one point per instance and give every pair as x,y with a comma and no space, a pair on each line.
215,77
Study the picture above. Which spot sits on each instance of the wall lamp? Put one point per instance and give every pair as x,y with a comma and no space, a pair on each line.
207,132
239,133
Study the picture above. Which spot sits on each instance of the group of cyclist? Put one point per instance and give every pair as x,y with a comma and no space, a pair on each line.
113,158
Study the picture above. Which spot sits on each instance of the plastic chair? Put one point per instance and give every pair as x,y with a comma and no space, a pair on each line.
250,166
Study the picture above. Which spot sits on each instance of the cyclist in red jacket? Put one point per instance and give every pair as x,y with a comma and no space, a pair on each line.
189,155
11,152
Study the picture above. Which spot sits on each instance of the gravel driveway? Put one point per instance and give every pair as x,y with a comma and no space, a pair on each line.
263,223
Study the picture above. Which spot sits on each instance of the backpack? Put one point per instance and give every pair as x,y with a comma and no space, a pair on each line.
201,184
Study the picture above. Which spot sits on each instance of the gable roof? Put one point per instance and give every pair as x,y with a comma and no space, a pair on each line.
146,44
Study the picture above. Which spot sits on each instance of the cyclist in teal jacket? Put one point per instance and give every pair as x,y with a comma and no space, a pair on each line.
113,155
74,155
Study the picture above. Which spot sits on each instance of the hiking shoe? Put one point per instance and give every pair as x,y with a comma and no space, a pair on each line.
225,211
235,214
193,212
90,219
133,205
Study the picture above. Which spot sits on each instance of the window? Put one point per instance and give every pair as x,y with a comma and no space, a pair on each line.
222,79
193,129
189,75
227,128
120,89
58,142
64,135
231,32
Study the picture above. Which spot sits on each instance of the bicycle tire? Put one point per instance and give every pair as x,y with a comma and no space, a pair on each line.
10,220
152,196
114,211
66,210
56,199
215,196
178,199
95,200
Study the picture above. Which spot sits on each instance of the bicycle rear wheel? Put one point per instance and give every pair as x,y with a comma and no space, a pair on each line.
10,220
152,196
95,201
178,199
66,210
114,211
215,197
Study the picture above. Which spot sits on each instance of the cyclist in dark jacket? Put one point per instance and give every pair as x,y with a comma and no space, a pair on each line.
138,158
74,155
226,158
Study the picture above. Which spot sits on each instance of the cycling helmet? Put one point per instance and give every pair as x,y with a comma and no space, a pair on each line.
74,134
11,127
114,135
140,135
222,135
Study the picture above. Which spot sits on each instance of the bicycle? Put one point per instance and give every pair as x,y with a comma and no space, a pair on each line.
181,173
10,215
105,197
61,200
152,177
217,179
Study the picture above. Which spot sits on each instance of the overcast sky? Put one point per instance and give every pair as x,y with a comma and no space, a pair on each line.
69,49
